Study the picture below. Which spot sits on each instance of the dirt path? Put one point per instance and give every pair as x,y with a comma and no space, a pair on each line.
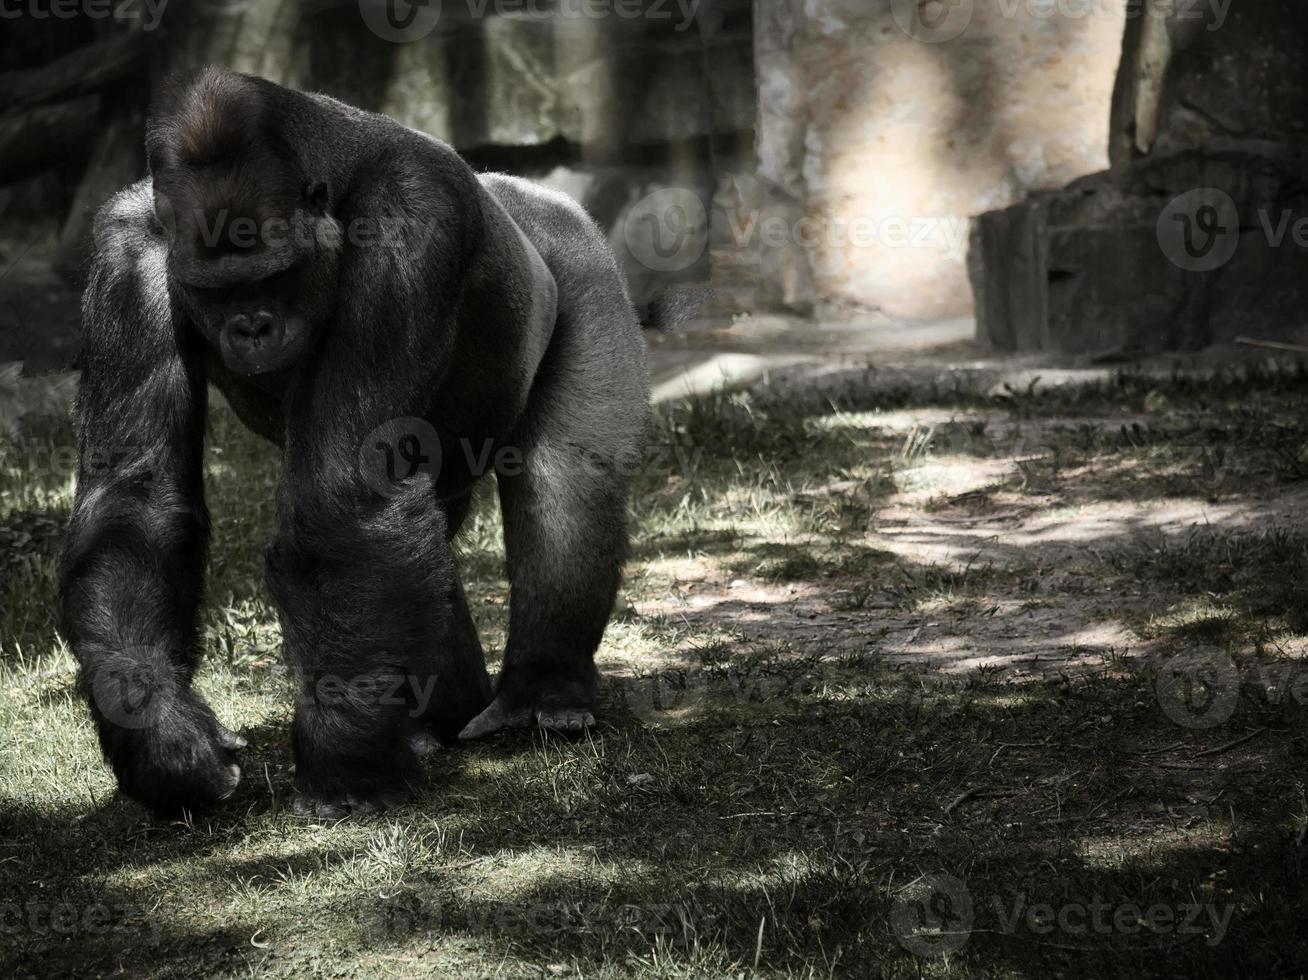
984,561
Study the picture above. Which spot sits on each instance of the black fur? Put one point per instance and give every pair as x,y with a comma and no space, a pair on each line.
491,309
673,307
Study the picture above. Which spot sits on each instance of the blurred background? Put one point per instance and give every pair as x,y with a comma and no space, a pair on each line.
988,171
965,627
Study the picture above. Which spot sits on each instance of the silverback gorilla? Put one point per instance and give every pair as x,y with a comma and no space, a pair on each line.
357,293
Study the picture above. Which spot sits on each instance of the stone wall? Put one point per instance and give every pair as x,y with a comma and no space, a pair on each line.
1199,232
813,155
885,125
611,101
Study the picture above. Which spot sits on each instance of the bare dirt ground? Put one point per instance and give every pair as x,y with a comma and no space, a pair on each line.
967,515
927,664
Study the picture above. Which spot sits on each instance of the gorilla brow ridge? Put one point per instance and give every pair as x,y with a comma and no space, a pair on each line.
216,118
213,142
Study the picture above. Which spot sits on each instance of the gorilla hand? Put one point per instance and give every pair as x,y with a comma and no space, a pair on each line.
174,757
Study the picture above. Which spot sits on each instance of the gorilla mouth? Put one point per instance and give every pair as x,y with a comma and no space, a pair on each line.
258,348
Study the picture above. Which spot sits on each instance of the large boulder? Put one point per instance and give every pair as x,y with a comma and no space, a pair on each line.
1174,251
1199,233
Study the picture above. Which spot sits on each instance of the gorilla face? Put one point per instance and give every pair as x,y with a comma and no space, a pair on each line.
253,253
259,326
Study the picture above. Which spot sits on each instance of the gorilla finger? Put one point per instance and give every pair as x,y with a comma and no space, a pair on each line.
230,740
233,780
423,744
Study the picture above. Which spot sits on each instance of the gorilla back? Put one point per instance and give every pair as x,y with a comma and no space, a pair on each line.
399,327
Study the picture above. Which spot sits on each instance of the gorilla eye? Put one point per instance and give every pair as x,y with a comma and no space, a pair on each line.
315,192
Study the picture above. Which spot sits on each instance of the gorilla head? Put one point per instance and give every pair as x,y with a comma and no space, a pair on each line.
253,248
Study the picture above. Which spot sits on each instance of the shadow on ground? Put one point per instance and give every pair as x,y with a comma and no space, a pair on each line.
858,721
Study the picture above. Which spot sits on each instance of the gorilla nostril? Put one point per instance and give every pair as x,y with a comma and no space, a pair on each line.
256,329
266,328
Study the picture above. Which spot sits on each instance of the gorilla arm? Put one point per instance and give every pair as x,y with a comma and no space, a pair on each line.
132,569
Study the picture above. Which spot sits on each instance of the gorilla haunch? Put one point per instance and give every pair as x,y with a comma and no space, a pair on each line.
337,275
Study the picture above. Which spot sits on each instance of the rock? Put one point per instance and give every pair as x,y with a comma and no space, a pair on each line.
1235,72
1171,252
1200,231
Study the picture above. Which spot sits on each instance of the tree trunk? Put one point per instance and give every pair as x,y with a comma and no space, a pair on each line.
41,138
86,70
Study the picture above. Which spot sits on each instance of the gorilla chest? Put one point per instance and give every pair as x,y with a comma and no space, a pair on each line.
259,406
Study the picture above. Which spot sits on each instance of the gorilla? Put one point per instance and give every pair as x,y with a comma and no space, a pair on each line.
398,326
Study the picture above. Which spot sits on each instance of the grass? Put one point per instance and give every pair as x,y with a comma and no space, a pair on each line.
777,787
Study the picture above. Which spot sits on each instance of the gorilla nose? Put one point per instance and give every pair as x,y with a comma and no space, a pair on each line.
258,329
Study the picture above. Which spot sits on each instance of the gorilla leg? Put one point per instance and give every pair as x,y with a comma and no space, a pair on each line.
462,685
565,524
375,624
565,539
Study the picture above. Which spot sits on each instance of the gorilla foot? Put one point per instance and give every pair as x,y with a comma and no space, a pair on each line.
371,779
562,710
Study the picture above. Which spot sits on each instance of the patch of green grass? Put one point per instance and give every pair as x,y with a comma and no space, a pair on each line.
749,805
1261,573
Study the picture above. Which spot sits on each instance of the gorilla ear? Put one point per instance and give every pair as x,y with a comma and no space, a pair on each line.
315,192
